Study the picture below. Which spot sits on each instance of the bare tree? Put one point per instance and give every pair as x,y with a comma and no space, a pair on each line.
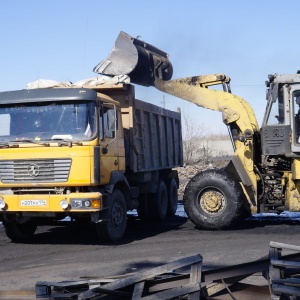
200,146
193,133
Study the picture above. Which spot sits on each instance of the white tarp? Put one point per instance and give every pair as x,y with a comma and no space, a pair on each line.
99,80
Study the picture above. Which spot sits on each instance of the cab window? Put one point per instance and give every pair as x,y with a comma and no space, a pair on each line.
276,115
296,103
108,122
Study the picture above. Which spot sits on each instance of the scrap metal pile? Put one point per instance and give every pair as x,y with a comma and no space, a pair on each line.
277,276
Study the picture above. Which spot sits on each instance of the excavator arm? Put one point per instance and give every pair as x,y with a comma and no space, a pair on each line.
149,66
195,89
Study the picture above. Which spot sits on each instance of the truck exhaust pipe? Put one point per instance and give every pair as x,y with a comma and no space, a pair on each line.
142,62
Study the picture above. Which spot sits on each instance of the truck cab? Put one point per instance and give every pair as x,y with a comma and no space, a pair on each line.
85,152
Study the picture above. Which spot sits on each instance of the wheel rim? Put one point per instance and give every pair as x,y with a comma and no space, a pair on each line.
212,201
117,215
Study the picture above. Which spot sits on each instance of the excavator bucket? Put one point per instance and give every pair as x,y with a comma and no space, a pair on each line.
142,62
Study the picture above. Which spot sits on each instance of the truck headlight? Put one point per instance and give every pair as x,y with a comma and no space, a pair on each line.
64,204
2,203
85,203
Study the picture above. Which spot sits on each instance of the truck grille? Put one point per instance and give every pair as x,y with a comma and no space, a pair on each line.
22,171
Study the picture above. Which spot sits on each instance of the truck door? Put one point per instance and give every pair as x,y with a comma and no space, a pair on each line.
109,141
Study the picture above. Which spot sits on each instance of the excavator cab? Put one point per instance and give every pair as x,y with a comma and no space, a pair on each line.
280,132
275,131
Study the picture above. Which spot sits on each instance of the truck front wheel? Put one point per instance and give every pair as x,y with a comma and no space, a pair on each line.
19,231
113,228
213,200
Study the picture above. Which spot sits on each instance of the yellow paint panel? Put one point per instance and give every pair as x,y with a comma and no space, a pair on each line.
296,169
108,165
82,160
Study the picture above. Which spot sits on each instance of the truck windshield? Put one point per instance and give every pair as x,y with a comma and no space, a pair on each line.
55,120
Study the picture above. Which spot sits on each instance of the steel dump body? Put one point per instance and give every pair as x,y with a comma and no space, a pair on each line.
152,137
152,134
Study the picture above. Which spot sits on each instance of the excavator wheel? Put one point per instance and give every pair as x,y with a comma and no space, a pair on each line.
213,200
114,227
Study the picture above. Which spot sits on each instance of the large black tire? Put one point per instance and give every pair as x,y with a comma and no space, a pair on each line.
113,228
158,203
172,197
19,232
213,199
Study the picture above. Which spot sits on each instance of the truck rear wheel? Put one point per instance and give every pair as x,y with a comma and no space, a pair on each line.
213,200
19,231
172,197
114,227
158,204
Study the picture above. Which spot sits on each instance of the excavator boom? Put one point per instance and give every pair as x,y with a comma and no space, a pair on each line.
194,89
149,66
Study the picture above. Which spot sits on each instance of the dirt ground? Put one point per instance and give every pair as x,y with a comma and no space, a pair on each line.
70,253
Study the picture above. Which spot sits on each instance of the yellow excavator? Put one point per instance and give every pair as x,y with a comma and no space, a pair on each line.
263,176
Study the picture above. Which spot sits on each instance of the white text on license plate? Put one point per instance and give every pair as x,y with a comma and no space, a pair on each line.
33,202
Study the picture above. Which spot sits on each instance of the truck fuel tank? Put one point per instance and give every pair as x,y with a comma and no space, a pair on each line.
141,61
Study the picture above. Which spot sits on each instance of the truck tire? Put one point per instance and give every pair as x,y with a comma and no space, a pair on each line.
158,203
113,228
172,197
213,199
18,232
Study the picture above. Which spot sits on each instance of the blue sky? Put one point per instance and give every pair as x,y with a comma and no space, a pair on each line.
63,40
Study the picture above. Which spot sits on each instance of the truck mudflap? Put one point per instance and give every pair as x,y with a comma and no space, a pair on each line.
141,61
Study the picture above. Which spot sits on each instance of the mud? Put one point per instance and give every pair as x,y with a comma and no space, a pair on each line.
73,252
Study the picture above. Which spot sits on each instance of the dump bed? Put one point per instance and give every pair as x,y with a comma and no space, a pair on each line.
152,134
152,137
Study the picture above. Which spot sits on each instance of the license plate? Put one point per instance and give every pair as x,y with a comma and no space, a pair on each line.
33,202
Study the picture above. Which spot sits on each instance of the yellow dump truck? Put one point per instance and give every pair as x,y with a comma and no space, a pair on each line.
91,152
